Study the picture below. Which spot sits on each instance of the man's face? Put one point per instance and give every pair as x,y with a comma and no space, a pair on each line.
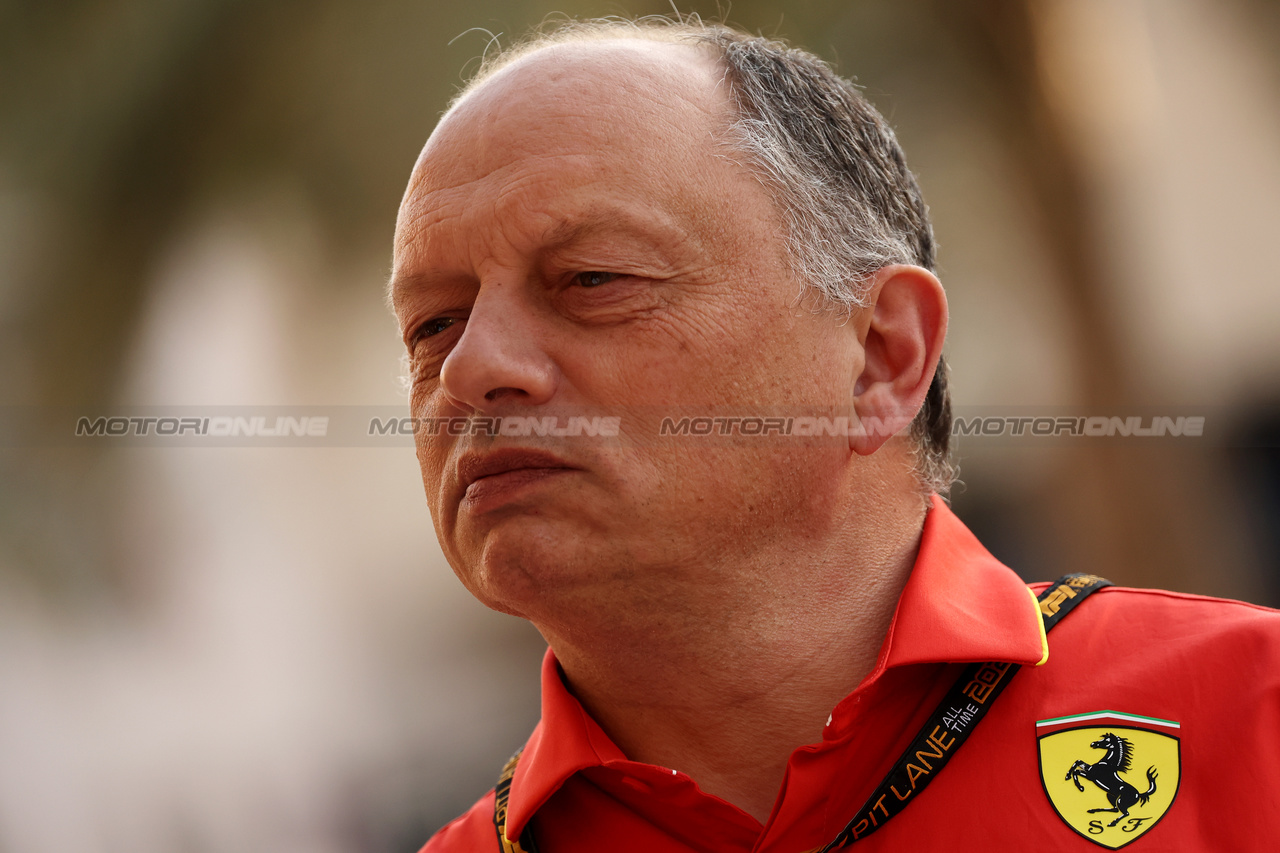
576,241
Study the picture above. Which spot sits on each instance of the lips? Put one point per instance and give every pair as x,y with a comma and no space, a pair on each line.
485,475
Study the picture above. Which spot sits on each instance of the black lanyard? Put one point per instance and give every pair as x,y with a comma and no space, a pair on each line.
950,725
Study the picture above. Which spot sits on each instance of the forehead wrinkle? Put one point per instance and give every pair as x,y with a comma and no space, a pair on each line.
656,226
532,207
424,208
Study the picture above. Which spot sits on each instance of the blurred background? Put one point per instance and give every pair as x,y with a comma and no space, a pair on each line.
246,649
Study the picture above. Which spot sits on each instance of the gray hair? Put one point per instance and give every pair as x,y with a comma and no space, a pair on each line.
832,164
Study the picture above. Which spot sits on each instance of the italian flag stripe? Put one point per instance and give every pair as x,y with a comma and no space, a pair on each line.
1109,715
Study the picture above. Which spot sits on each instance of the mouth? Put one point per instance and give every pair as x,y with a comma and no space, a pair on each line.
488,479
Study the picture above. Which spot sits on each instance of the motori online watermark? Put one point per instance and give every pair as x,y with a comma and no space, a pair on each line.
508,425
222,426
387,425
317,426
988,426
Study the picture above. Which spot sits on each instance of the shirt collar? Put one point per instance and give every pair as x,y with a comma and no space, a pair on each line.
565,741
960,605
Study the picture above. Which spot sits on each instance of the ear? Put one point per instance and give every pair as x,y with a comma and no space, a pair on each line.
901,332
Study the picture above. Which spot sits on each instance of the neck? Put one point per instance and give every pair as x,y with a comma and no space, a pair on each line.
725,690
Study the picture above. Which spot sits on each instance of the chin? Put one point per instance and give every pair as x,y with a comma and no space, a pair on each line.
519,568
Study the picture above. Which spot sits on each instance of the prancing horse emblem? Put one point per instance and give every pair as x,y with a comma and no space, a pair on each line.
1105,773
1070,741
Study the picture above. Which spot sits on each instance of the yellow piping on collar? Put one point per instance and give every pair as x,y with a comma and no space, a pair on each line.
1044,640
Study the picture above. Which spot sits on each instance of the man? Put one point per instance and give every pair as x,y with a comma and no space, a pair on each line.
753,632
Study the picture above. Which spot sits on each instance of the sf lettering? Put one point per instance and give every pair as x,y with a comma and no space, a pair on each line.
1131,825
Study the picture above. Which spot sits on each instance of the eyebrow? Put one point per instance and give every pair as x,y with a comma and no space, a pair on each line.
569,229
401,282
607,219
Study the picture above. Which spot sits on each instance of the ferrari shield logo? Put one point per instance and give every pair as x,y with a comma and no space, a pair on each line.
1110,776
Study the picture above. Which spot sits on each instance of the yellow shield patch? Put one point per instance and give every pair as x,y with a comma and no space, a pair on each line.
1110,776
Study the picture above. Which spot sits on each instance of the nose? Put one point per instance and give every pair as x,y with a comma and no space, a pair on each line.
499,357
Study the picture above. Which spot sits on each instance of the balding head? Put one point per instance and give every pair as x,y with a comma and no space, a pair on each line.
831,164
663,100
623,71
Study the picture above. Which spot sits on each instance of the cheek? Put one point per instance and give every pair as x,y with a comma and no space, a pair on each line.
682,357
746,366
433,455
430,438
422,383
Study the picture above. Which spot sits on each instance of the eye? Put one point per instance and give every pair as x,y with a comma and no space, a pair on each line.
434,326
594,278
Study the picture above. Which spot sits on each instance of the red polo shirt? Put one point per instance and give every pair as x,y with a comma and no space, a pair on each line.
1205,672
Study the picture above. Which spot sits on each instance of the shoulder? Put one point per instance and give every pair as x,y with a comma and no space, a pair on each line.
1193,621
1165,654
473,830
